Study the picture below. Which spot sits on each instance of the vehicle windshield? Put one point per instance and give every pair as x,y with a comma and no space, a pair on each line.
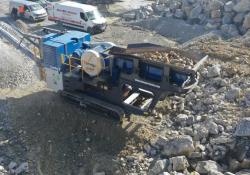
92,15
35,7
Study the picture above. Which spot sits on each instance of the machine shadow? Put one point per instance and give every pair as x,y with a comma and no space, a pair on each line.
62,138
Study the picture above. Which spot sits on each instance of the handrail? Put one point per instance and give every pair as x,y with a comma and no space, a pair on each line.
70,58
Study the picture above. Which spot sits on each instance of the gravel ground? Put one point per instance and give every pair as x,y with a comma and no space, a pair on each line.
15,69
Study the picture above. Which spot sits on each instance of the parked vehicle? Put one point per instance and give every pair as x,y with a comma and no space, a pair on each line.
43,3
81,16
26,9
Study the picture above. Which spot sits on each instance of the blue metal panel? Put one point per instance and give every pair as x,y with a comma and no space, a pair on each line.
55,45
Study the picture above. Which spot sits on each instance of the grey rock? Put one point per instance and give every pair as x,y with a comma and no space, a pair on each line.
246,23
247,97
233,94
195,12
158,167
213,172
182,145
100,173
12,165
245,164
216,13
200,131
215,5
212,127
228,7
195,155
184,120
179,14
242,6
129,16
178,163
243,172
214,71
227,18
238,19
23,168
205,167
243,128
228,173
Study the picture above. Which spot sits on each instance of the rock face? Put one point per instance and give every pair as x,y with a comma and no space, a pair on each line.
243,128
182,145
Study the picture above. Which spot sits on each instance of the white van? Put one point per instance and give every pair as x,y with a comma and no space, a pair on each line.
81,16
31,10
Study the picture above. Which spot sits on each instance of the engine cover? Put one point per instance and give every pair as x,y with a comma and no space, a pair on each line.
92,63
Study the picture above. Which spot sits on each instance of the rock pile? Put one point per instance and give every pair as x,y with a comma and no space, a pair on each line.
170,57
200,132
231,16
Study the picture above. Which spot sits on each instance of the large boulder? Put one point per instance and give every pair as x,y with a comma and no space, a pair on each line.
242,6
182,145
243,128
205,167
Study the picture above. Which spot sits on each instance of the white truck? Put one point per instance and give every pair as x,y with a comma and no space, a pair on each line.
76,15
26,9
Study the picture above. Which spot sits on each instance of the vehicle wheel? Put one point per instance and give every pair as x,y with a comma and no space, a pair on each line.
14,14
31,19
